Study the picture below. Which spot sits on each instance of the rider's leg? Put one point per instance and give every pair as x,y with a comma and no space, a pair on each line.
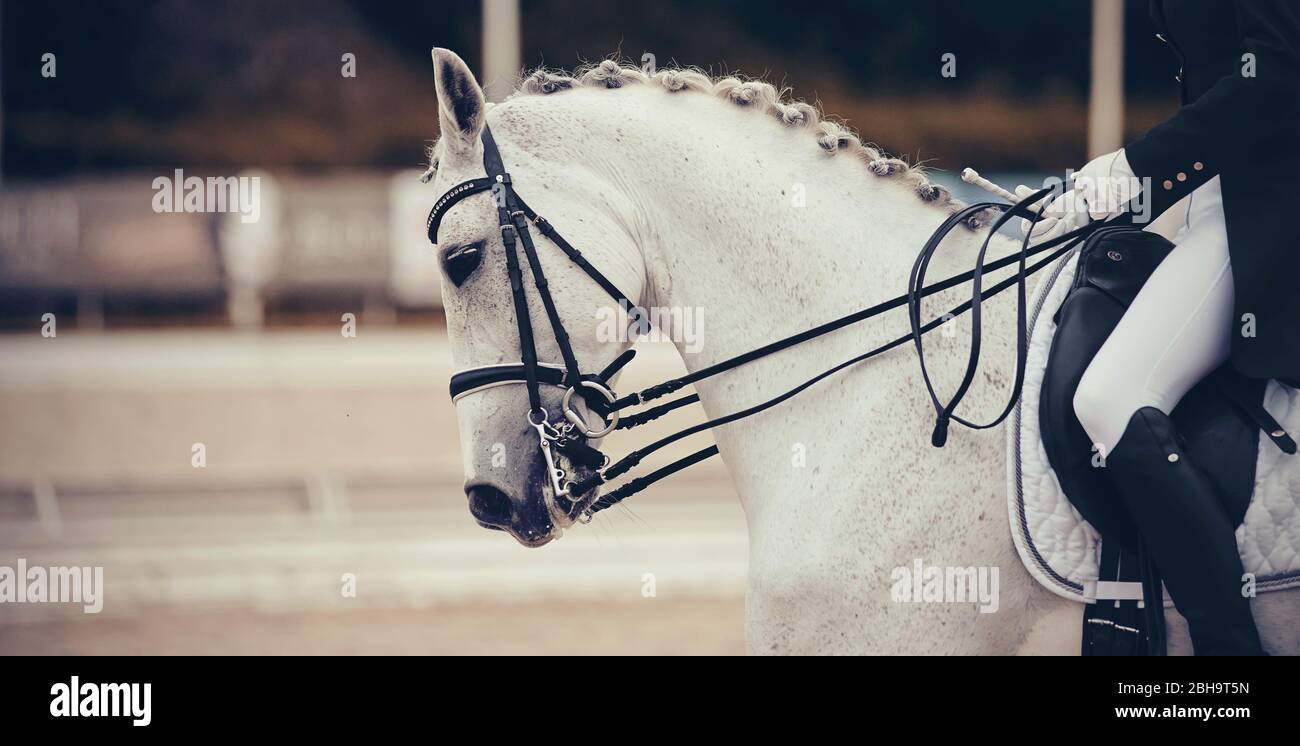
1177,330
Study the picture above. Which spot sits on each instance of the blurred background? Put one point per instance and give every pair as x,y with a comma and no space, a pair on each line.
133,341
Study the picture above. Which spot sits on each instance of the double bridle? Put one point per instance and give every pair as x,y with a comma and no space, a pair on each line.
568,436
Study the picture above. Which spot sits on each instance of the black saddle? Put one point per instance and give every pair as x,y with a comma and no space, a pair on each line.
1220,420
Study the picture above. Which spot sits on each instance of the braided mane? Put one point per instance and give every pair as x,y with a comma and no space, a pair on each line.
833,137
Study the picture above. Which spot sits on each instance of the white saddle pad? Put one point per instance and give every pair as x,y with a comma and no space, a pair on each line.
1061,549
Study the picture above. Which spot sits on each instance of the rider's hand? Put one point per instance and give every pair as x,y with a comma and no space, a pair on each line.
1101,189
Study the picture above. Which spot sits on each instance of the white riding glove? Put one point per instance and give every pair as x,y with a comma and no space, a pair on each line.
1101,189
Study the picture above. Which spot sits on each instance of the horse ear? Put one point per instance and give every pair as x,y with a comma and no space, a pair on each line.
461,105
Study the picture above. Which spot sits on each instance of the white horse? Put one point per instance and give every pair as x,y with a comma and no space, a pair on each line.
693,193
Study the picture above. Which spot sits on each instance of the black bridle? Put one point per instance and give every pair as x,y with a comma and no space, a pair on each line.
569,436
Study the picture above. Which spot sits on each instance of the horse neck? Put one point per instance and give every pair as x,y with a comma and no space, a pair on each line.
760,234
756,233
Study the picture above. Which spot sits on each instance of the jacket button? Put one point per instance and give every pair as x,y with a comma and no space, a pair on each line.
1198,166
1182,176
1168,185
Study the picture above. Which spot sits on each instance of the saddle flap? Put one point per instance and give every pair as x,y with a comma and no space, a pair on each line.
1085,320
1118,261
1113,266
1062,550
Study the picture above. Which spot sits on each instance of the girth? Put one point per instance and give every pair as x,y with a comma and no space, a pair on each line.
569,435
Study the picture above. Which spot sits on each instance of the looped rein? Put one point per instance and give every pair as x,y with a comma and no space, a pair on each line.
945,413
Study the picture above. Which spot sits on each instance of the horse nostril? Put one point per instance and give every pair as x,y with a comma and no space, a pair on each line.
489,505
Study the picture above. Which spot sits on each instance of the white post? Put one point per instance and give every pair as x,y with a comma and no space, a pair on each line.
502,47
250,253
1106,94
47,506
413,269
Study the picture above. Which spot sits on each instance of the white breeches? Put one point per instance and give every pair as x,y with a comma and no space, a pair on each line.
1176,332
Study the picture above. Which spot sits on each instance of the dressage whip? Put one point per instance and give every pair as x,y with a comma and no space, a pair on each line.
971,176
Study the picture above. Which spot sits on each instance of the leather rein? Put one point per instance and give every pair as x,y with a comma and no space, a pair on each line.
568,436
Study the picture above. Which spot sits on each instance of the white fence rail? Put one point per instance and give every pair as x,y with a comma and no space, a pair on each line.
351,236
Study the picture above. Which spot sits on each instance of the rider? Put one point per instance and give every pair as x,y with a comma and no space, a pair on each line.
1225,293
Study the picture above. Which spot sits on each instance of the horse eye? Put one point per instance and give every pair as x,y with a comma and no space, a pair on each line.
460,262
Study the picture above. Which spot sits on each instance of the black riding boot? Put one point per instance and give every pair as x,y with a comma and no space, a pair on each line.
1187,531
